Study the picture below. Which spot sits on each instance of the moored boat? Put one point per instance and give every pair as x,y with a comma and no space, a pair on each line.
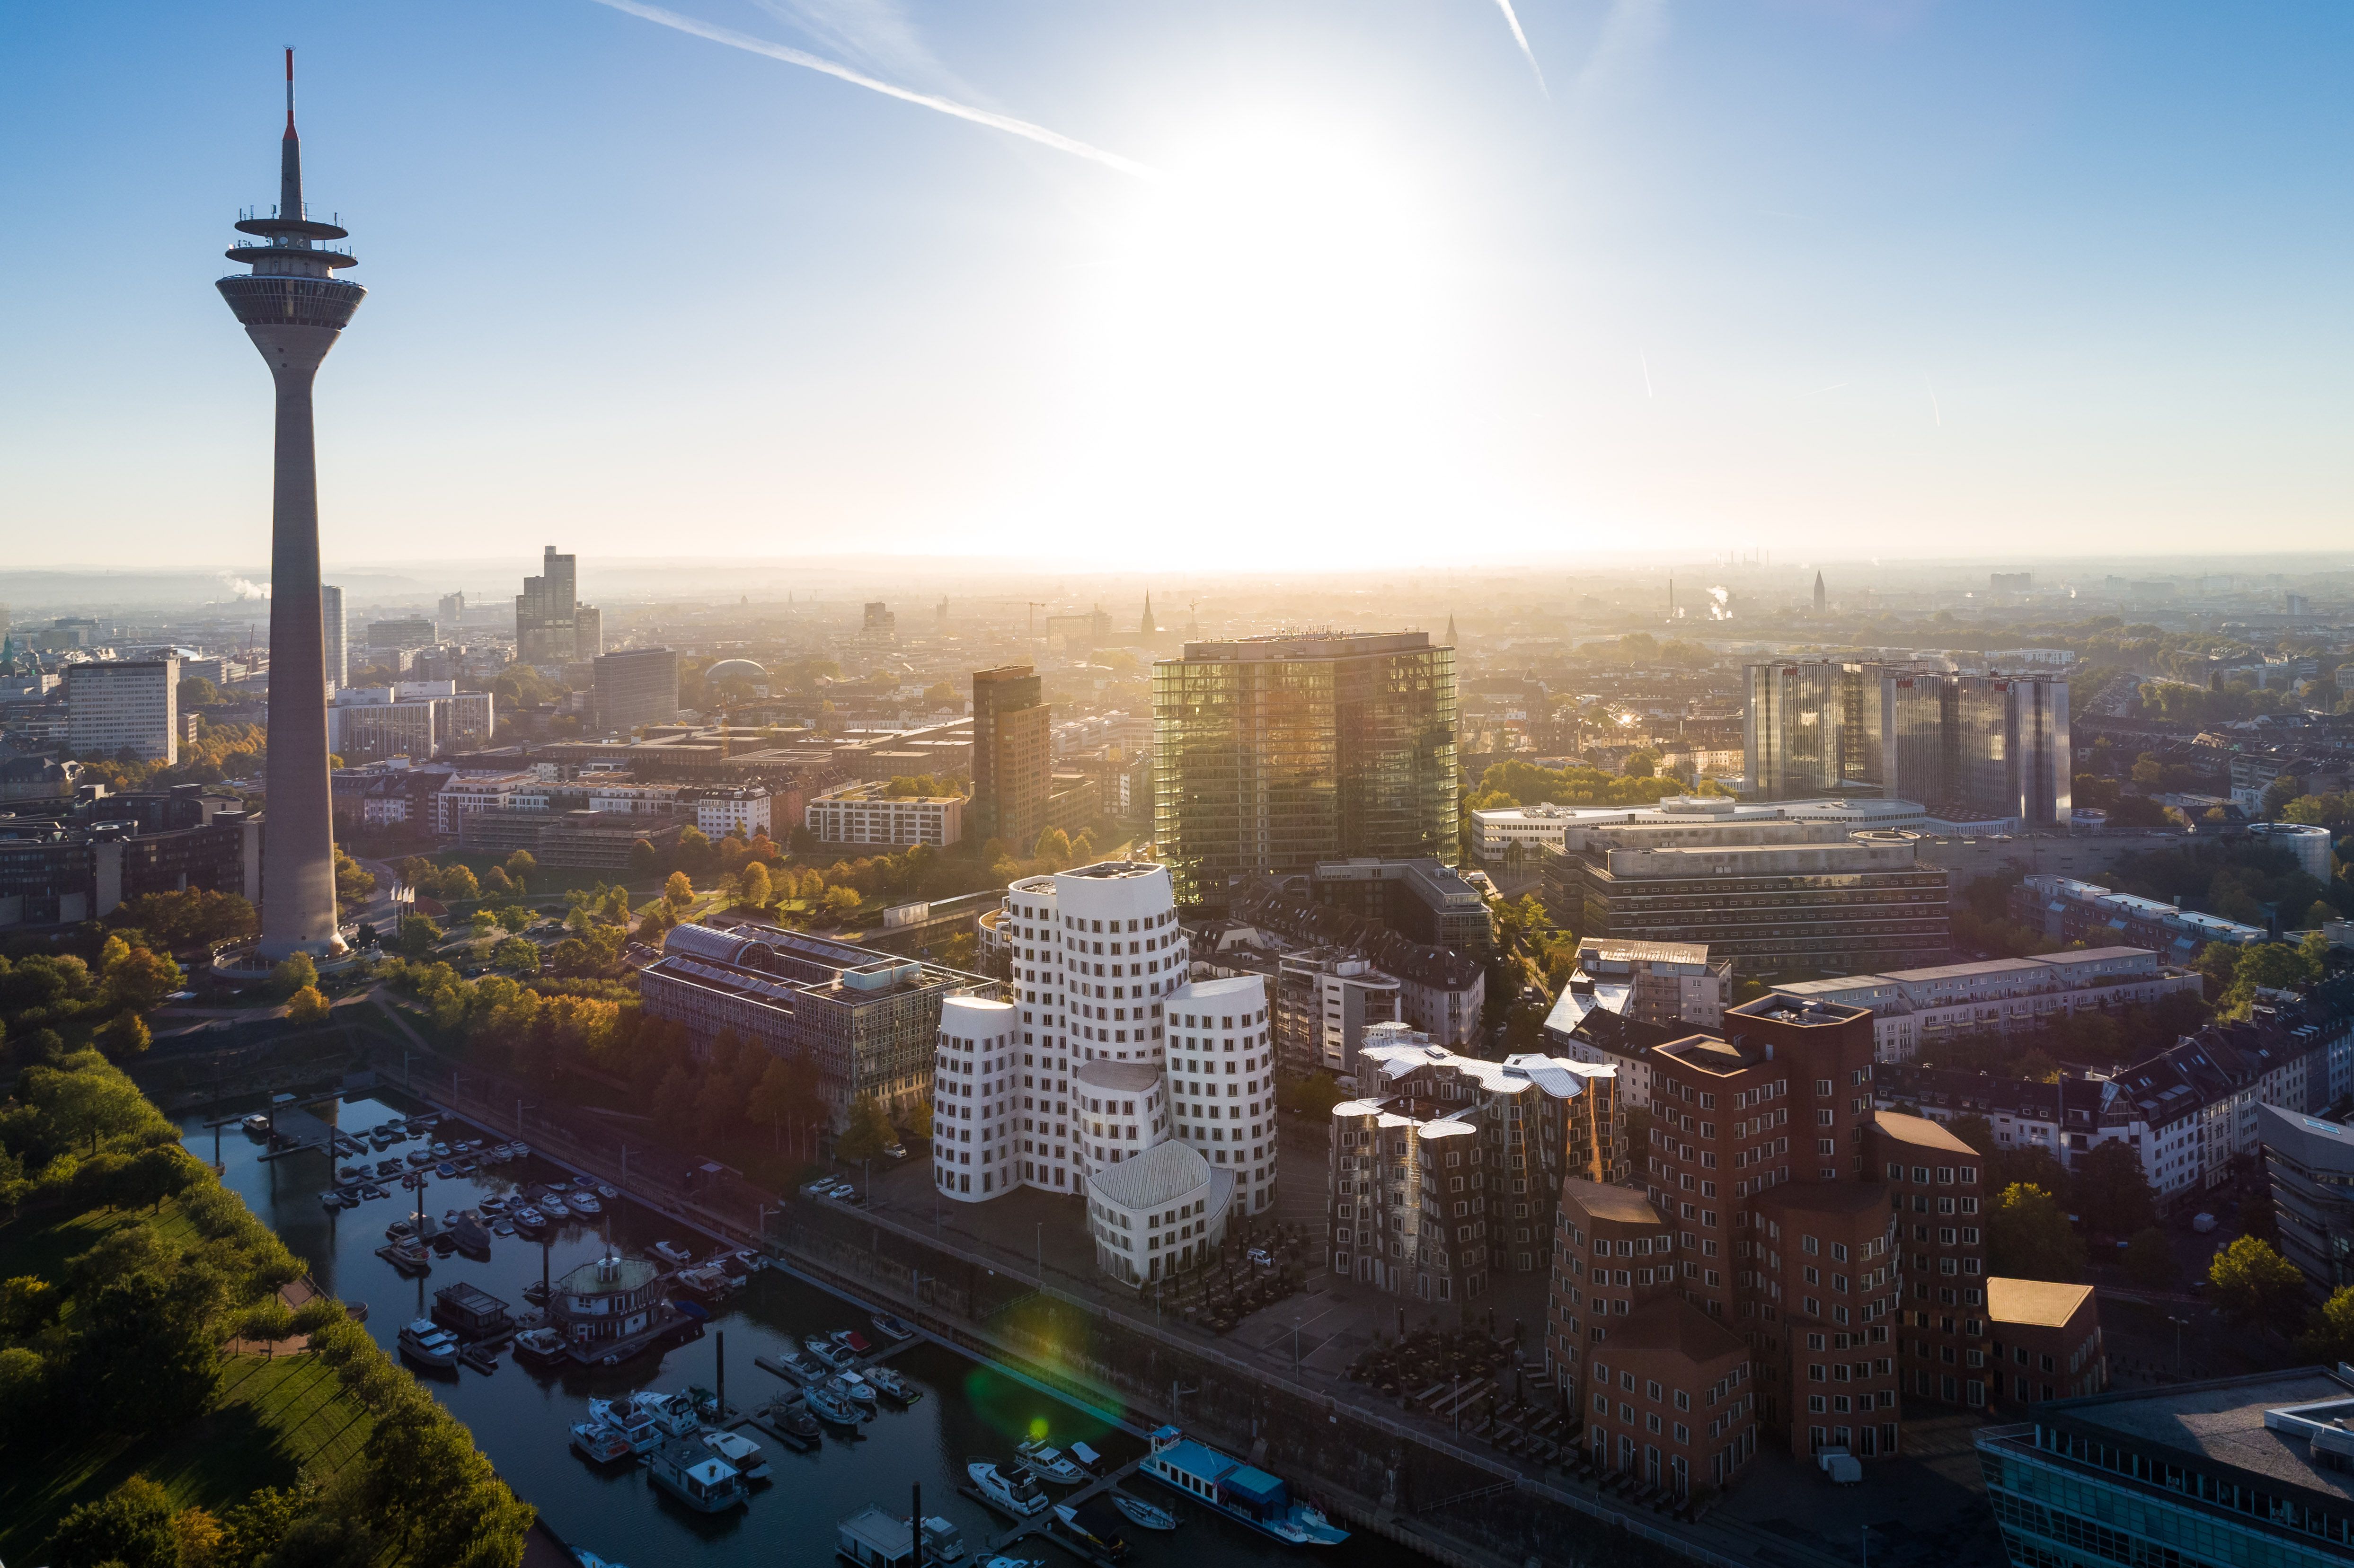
892,1387
1015,1494
1143,1514
540,1347
599,1444
827,1405
1093,1526
1240,1491
1048,1463
744,1456
849,1385
822,1346
697,1477
670,1253
893,1327
625,1417
428,1343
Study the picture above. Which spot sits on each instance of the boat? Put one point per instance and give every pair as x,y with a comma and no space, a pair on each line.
348,1173
441,1151
1016,1494
582,1203
742,1455
1143,1514
388,1168
406,1256
826,1406
528,1218
893,1327
536,1293
429,1344
705,1281
791,1418
504,1228
553,1207
854,1388
1086,1458
892,1387
673,1414
1048,1463
1093,1526
523,1151
822,1346
1006,1560
494,1205
590,1560
624,1416
851,1340
697,1477
256,1123
540,1347
419,1159
801,1366
373,1191
445,1171
1242,1492
608,1191
672,1254
472,1237
599,1444
560,1184
331,1200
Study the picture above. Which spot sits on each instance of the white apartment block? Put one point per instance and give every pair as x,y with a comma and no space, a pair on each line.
861,814
466,793
132,706
1527,830
719,812
1913,1007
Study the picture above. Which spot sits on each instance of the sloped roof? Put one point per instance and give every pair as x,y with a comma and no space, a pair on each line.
1604,1201
2045,1303
1672,1323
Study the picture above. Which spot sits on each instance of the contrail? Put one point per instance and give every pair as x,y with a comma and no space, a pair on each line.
1935,411
1005,122
1512,20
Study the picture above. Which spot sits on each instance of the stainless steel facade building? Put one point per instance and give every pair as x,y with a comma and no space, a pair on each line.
1275,753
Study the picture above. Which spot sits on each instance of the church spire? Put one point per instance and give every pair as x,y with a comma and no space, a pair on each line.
1146,627
1449,640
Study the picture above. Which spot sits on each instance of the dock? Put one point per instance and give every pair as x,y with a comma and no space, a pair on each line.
1043,1527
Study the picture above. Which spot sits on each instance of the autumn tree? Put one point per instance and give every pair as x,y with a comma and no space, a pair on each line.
2256,1285
2028,1236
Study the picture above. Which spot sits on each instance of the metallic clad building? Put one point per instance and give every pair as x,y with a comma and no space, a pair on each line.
1274,753
294,308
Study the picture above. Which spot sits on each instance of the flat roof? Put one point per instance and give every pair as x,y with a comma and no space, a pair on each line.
1130,1077
2044,1303
1921,1133
2223,1420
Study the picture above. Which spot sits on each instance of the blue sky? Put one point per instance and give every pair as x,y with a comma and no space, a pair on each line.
1825,276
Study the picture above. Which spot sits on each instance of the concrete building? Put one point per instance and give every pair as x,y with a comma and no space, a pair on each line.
1426,900
973,1123
1324,1001
294,308
1159,1215
743,809
1272,753
2310,1166
587,633
1769,897
334,637
1533,1121
636,688
130,705
548,614
1012,756
2251,1471
2045,1342
1524,832
865,814
871,1021
65,862
418,719
1668,983
2076,911
404,633
1912,1008
2310,846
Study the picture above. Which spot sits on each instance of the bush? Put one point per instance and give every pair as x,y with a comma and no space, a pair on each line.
131,1525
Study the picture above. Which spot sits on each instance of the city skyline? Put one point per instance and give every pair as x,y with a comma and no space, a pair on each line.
1884,281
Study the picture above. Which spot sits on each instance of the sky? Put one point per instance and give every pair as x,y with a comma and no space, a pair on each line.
1281,282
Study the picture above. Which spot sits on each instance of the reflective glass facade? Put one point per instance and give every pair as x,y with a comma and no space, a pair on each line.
1275,753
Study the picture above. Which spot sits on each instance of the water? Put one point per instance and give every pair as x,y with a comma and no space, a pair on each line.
522,1418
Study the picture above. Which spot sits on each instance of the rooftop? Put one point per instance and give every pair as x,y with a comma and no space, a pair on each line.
1675,1323
1129,1077
1604,1201
1920,1133
2223,1422
2044,1303
1162,1174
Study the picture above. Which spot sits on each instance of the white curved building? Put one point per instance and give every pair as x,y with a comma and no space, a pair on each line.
1162,1213
2311,845
974,1119
1221,1068
1119,1112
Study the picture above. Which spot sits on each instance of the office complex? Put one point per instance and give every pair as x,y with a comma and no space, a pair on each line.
403,634
294,308
2077,911
1985,746
552,626
1275,753
1911,1008
2251,1471
1666,983
335,636
1444,1169
1526,833
418,719
67,859
869,1020
1013,757
868,815
635,689
1785,1287
1767,895
1427,900
1122,1063
2310,1165
1325,999
132,706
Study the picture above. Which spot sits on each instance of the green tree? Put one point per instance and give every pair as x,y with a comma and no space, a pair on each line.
293,972
1054,846
2256,1285
869,1131
124,1034
420,936
131,1526
840,902
2329,1335
517,956
519,865
2150,1260
139,977
2109,1191
2028,1237
643,861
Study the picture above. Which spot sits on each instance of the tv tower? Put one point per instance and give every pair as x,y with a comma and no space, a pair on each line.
293,307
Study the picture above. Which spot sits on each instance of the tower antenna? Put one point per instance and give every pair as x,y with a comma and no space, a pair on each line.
290,90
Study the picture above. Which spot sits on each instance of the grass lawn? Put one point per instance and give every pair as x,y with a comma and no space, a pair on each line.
273,1420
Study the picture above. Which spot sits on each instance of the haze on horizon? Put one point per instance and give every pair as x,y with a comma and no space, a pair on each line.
1831,278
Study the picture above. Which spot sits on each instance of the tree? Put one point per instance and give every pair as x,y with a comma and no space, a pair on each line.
420,936
840,902
131,1526
752,888
517,956
2109,1191
695,847
643,861
354,881
307,1006
2150,1260
2329,1334
124,1034
519,865
496,880
2029,1238
869,1131
2256,1285
1054,846
293,973
678,892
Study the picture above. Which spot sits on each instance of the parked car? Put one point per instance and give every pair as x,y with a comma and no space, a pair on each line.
895,1151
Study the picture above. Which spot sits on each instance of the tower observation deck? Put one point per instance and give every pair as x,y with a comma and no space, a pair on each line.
294,308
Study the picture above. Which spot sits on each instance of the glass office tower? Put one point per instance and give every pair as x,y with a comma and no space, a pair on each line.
1274,753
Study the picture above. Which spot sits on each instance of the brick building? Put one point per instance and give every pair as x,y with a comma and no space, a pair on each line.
2046,1343
1936,1194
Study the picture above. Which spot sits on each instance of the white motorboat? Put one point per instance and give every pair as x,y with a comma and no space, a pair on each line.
1048,1463
599,1444
523,1151
428,1344
1016,1494
1143,1514
626,1416
670,1253
607,1193
583,1204
743,1454
673,1412
823,1348
554,1208
854,1388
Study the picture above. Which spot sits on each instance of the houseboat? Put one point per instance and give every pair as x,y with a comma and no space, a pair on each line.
697,1476
1240,1491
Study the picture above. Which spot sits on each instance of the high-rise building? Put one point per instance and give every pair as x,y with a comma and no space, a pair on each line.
636,687
1274,753
588,632
1985,746
547,611
1012,756
335,638
451,612
878,620
1822,602
130,705
407,632
294,308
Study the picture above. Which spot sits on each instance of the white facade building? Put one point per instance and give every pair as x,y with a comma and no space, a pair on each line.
469,792
720,812
1158,1214
863,814
973,1099
113,706
1911,1007
2311,845
336,638
1529,829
